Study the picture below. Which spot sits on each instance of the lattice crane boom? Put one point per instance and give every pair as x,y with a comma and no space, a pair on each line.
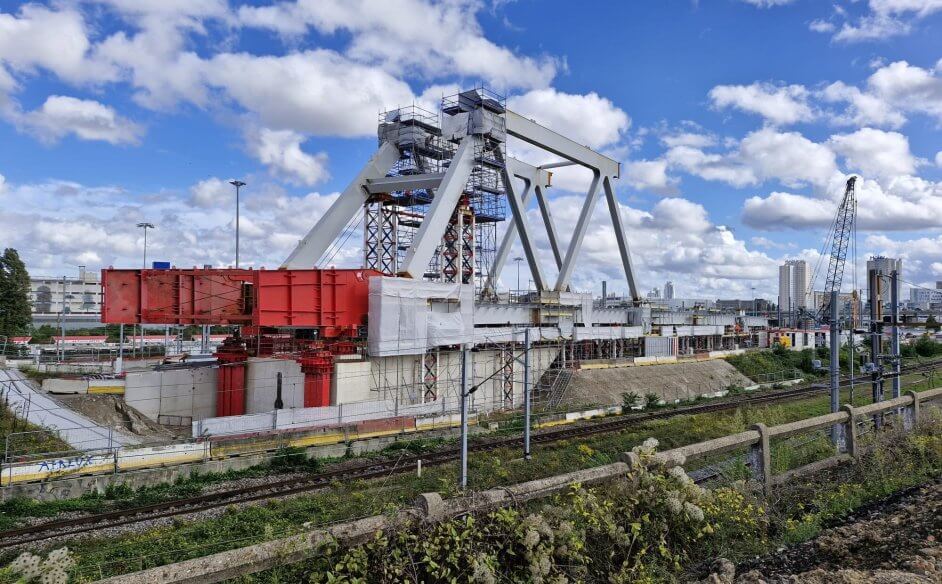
840,241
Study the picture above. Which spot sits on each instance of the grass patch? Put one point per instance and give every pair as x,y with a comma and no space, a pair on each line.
757,364
26,438
654,526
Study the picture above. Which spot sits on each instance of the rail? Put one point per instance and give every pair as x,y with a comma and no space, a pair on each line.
432,507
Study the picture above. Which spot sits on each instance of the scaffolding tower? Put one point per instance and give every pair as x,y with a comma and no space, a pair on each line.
468,248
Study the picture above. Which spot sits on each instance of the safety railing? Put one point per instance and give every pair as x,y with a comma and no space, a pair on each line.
758,439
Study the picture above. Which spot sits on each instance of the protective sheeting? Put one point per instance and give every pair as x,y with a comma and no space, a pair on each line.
493,335
595,333
407,317
659,346
755,321
581,300
691,331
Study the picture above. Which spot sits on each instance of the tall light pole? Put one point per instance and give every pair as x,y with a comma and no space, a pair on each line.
518,259
145,226
237,184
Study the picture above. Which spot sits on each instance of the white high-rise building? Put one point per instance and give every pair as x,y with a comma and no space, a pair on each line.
669,290
886,266
793,285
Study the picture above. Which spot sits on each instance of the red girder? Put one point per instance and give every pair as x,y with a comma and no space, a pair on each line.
333,301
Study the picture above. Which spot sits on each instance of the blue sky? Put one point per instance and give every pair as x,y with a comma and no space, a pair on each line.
737,123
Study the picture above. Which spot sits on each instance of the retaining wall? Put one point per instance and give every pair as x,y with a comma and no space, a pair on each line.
239,456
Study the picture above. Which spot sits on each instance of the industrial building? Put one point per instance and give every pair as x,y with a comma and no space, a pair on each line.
69,302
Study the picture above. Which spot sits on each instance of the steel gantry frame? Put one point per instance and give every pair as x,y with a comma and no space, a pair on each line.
451,185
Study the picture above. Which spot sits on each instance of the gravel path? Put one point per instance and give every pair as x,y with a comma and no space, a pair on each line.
898,541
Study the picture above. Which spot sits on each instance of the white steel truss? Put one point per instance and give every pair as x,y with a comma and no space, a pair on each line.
451,185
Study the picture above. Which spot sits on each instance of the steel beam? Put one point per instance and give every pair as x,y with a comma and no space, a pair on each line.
331,225
506,243
620,237
519,212
542,137
392,184
582,224
440,211
550,225
559,164
533,178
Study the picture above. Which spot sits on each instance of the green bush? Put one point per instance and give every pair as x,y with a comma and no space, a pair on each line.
630,399
652,400
926,347
644,528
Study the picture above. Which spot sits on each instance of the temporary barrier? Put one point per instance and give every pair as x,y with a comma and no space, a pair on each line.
79,464
130,459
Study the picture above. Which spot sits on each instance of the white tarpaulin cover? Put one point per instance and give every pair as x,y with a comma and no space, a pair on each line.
407,317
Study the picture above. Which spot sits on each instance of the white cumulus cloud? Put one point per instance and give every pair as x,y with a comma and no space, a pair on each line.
211,192
650,175
781,105
62,115
281,151
419,34
589,119
885,19
875,153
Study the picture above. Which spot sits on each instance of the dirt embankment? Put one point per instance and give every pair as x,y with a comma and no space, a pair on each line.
109,410
669,381
897,542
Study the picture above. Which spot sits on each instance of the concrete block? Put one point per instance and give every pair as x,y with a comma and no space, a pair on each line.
431,506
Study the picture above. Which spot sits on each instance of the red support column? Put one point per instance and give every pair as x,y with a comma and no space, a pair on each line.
230,381
318,367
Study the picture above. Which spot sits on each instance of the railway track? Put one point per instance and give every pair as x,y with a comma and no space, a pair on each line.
379,469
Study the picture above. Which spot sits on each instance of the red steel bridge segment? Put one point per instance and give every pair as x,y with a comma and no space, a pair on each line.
332,302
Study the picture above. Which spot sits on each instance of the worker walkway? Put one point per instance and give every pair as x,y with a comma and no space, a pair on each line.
41,410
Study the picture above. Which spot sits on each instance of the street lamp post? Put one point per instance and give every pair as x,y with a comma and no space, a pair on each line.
518,259
145,226
237,184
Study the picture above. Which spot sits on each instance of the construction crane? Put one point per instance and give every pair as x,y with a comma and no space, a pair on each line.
842,233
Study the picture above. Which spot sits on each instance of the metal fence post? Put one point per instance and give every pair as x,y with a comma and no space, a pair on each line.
760,457
894,342
526,393
850,430
834,366
465,357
